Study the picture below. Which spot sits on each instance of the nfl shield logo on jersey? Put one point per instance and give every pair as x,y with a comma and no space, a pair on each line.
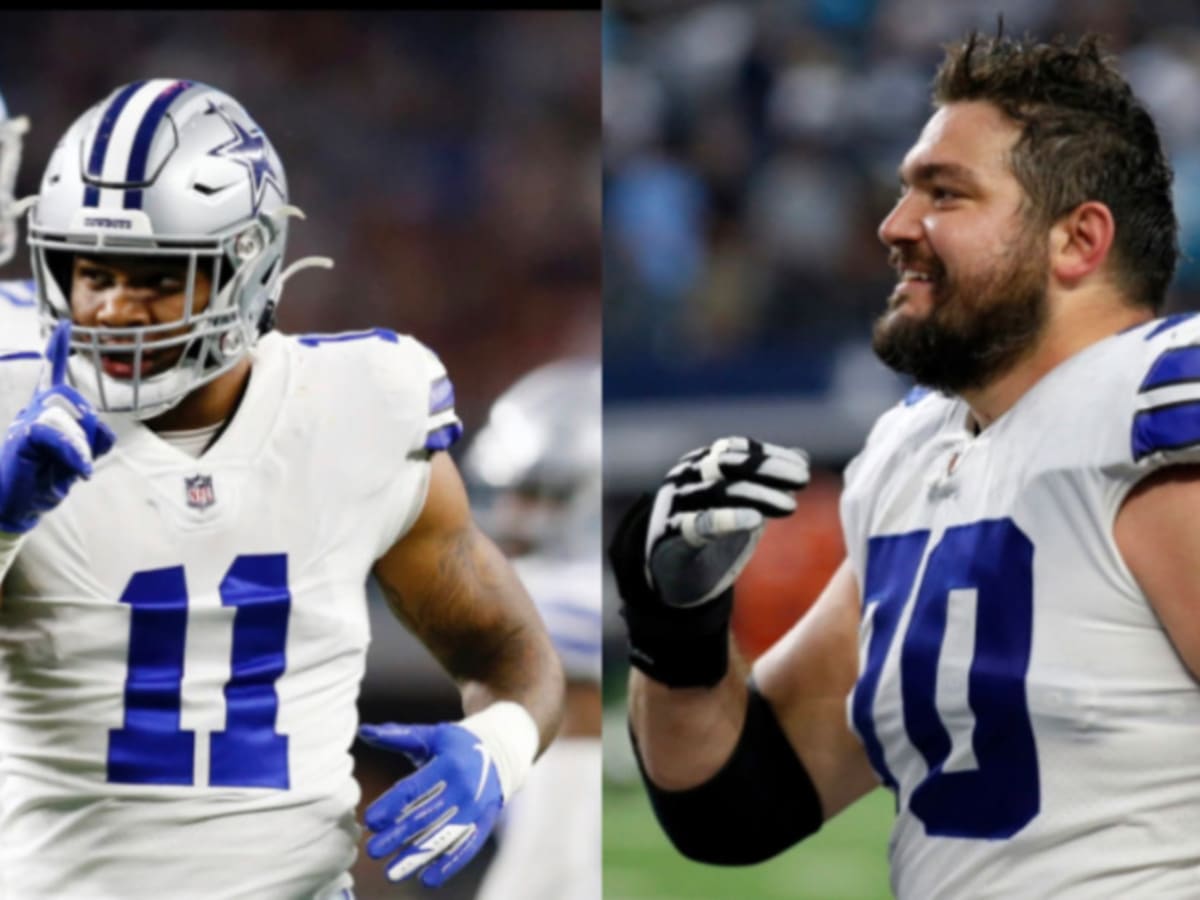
200,491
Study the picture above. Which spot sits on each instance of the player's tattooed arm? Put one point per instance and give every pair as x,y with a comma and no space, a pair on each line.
457,593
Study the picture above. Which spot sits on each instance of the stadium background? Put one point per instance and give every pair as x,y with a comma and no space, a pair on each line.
750,151
448,162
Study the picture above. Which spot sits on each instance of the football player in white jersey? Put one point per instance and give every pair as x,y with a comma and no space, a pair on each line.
190,504
1013,644
18,311
536,466
18,317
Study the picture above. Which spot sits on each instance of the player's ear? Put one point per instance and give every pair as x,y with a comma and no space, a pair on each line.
1080,242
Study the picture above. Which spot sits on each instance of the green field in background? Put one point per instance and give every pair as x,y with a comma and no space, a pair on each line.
846,860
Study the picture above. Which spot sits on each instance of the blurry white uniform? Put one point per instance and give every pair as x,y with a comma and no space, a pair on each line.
182,639
1016,689
19,334
18,316
549,847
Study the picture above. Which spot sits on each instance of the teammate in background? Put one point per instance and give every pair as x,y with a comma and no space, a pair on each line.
190,504
18,319
537,466
1013,645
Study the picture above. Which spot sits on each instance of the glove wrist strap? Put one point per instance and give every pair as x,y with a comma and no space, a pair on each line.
509,733
677,646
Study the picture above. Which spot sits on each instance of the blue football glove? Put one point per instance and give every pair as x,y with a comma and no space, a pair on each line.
50,444
439,816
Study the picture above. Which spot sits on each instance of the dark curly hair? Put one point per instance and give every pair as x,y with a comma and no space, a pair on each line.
1084,136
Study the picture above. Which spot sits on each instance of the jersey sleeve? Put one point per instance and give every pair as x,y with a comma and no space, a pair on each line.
19,325
387,403
443,428
417,390
1164,428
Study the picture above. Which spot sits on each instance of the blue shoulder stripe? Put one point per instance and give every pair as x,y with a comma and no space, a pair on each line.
20,354
442,438
316,340
1170,427
916,394
22,296
1179,365
441,395
1164,324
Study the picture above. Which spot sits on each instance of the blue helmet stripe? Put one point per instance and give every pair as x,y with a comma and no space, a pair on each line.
140,152
91,193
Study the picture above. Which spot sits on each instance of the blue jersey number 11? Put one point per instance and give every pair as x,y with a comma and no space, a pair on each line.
152,748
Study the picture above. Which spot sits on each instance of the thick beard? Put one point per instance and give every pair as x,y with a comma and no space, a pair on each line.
977,329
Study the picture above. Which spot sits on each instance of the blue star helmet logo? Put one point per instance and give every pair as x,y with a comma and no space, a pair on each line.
248,149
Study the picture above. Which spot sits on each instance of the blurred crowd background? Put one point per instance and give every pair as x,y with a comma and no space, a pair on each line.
750,152
448,162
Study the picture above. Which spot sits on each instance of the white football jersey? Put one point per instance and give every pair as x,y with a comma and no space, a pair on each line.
567,593
182,639
18,316
1016,690
559,805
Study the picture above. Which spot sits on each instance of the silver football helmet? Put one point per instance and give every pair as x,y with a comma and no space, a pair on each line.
12,131
535,466
166,168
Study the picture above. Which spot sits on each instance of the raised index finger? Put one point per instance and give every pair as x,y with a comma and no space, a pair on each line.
57,350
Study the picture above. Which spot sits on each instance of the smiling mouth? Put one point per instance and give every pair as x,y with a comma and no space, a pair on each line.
122,366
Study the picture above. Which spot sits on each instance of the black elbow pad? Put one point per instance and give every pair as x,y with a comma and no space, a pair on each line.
759,804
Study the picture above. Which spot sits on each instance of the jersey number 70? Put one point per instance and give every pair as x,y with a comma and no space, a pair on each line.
993,559
152,748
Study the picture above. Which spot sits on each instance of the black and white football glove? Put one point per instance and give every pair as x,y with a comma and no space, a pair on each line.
677,556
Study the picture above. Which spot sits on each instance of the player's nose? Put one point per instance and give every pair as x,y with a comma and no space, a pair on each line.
902,224
121,305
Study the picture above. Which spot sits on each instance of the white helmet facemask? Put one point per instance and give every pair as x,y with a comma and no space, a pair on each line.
177,170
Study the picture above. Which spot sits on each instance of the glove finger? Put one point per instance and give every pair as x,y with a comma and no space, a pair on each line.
66,454
424,852
58,348
419,795
684,473
788,472
414,741
704,527
66,399
101,438
693,455
412,828
771,501
768,501
453,860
